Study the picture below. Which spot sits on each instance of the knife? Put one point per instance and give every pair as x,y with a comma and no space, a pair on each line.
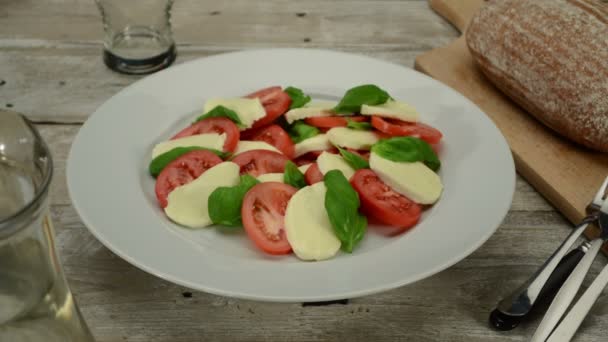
502,319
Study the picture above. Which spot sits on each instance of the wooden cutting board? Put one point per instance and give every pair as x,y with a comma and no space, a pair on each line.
566,174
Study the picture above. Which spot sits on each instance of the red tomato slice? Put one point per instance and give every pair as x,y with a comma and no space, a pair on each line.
382,203
259,162
214,125
277,137
361,153
401,128
333,121
313,174
276,102
263,214
183,170
303,160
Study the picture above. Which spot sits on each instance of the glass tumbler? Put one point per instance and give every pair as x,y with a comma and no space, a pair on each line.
138,37
35,301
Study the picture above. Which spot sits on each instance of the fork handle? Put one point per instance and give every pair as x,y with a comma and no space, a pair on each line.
566,329
566,294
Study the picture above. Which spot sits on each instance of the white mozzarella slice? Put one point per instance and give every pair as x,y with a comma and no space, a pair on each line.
311,109
245,145
394,110
188,203
329,161
319,142
248,110
413,180
209,140
271,177
308,228
351,138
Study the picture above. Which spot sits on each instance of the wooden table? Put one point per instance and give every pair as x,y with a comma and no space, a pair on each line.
51,70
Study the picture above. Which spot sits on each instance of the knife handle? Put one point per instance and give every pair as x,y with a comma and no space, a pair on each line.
503,321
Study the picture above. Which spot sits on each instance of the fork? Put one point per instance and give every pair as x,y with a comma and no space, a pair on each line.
519,303
569,325
568,291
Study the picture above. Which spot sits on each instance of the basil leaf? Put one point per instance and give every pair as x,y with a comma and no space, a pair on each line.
298,98
225,202
221,112
359,126
342,204
299,131
354,160
407,149
293,176
367,94
161,161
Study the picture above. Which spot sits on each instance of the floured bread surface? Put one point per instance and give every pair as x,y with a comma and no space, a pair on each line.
550,56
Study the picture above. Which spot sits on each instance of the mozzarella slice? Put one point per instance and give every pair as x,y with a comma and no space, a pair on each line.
413,180
352,138
311,109
329,161
271,177
394,110
308,228
304,168
188,203
208,140
248,110
319,142
244,146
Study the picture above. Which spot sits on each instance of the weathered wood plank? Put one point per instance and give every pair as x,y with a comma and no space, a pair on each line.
242,22
68,84
50,61
119,300
53,69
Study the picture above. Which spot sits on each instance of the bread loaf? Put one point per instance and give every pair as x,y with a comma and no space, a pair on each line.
551,57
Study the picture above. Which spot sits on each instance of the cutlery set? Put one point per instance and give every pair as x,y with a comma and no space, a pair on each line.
563,273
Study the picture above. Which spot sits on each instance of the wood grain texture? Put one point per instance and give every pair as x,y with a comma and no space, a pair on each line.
50,61
566,174
53,69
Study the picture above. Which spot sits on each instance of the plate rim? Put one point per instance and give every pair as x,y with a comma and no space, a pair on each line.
330,296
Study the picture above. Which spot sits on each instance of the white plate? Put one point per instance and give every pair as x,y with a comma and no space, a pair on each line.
114,195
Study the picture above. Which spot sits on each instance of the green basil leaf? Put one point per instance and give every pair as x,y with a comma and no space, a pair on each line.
342,205
354,160
407,149
293,176
299,131
367,94
221,112
161,161
298,98
225,202
359,126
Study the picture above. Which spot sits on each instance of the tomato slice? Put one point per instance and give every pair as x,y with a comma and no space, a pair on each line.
361,153
259,162
263,214
214,125
395,127
382,203
333,121
313,174
276,102
277,137
183,170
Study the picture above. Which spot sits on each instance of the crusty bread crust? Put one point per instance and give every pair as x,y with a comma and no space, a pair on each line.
551,57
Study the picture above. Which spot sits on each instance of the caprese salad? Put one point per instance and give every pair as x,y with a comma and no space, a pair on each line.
300,175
